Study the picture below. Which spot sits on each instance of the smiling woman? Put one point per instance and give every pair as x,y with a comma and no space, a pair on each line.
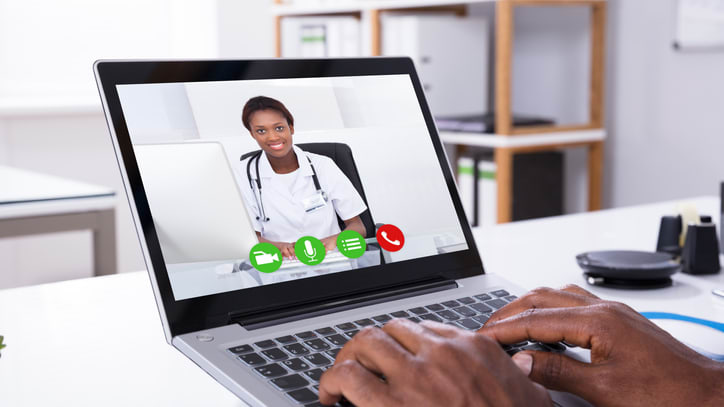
304,192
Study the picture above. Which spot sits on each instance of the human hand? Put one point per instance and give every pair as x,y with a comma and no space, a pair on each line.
287,249
633,361
330,243
426,364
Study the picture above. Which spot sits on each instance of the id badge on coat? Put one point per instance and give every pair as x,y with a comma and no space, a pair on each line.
315,202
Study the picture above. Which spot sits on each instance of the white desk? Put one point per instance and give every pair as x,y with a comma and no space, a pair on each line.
99,341
33,203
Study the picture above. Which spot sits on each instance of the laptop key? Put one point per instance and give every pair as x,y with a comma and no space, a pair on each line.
535,346
289,382
400,314
272,370
431,317
480,307
333,353
449,315
418,310
296,364
483,297
336,339
265,344
317,344
274,354
365,322
465,311
350,334
317,359
306,335
414,319
347,326
555,347
326,331
510,298
382,318
500,293
252,359
314,374
296,349
302,395
317,404
435,307
286,339
469,323
241,349
496,303
451,304
481,318
465,300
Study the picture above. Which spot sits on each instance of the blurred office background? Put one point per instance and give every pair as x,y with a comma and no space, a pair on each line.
662,105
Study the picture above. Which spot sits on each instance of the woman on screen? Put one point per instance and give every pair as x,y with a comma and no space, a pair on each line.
292,193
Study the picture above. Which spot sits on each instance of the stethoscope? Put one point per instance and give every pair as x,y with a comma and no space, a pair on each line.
258,197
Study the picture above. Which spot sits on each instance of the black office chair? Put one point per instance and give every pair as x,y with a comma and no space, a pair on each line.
342,156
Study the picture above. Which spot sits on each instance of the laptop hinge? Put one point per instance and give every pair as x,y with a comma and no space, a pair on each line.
290,314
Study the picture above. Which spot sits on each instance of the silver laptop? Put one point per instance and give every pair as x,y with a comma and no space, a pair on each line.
180,140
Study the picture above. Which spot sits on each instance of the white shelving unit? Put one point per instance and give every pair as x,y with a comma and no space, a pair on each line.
508,140
529,141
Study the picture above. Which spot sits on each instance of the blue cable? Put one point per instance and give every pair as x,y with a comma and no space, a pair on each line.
704,322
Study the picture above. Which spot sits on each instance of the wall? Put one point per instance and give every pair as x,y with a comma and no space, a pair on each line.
664,110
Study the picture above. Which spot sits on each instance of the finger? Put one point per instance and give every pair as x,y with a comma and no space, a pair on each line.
288,252
441,329
541,298
351,380
408,334
558,372
377,351
576,325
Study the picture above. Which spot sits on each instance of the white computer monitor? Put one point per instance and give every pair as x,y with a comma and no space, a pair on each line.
197,208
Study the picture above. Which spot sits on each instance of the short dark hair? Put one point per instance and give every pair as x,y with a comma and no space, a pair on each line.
263,103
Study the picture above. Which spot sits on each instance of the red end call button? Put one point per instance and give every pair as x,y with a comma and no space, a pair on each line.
390,238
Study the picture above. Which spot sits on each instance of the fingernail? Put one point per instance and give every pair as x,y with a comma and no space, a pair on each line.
524,362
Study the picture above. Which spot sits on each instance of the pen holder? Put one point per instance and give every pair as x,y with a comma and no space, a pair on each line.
701,249
669,233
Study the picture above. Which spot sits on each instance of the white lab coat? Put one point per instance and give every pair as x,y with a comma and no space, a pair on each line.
283,196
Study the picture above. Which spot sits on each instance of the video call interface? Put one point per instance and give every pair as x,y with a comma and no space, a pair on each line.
257,182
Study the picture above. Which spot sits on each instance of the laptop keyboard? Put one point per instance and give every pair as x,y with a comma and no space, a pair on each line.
293,364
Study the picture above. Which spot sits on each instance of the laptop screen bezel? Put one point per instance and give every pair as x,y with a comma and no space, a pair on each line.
209,311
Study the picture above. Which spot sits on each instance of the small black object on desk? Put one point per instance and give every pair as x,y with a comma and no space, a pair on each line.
628,269
701,248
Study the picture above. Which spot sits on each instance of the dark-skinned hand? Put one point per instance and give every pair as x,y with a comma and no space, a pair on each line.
633,361
426,364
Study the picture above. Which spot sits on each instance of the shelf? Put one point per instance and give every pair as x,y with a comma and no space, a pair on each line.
510,140
352,6
531,140
347,6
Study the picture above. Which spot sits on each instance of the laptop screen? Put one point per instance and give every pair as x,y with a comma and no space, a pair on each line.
258,182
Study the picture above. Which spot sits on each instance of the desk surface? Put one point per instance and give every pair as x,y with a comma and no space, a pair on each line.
99,341
28,193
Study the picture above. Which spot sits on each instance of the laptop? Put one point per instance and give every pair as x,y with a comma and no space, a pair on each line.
177,132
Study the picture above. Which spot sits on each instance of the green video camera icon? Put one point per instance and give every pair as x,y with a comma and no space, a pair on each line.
1,343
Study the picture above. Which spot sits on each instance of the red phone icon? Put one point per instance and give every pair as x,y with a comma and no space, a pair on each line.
390,238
